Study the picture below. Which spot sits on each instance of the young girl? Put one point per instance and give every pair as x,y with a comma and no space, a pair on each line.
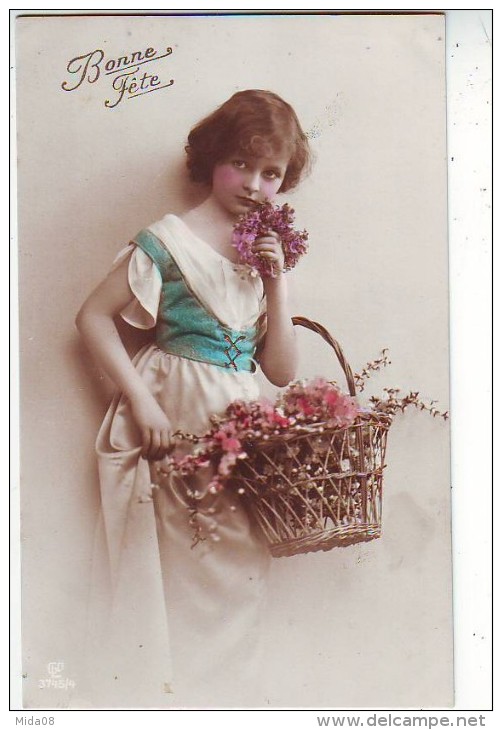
182,622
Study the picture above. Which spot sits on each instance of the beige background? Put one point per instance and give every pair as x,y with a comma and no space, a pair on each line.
366,626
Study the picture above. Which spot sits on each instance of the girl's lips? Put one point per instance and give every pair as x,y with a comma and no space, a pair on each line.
246,201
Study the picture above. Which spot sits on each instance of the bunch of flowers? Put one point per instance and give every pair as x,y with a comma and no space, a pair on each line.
319,401
260,219
308,428
302,405
234,435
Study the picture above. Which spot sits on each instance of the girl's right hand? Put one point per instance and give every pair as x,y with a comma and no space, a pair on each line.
154,425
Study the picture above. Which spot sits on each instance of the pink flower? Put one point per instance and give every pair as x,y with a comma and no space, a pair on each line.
304,406
227,461
215,485
277,419
319,400
231,444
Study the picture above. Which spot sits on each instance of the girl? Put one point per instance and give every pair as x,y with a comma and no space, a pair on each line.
181,622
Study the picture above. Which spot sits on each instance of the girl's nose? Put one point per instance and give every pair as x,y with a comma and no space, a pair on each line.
252,183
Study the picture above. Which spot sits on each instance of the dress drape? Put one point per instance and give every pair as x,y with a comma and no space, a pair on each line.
170,624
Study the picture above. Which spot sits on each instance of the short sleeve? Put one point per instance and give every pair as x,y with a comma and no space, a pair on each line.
145,283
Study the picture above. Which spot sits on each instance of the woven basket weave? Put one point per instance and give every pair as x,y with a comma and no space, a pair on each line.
318,487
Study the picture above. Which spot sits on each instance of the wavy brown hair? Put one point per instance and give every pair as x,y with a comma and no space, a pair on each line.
254,122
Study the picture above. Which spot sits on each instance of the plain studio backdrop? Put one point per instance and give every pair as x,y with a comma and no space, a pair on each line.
364,626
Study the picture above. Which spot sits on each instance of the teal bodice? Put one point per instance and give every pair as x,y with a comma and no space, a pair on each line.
185,327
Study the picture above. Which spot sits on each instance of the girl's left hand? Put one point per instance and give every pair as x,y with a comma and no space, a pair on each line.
269,247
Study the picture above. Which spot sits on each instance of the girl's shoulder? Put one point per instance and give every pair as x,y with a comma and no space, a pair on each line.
171,228
176,234
170,224
162,239
170,241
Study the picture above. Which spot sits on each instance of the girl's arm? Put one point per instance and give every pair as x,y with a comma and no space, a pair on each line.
279,355
95,322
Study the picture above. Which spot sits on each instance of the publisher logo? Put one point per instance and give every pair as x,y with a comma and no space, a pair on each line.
54,669
56,678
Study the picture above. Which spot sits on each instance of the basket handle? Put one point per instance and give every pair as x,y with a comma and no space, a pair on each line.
316,327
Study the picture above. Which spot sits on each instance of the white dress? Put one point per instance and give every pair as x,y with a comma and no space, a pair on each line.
172,625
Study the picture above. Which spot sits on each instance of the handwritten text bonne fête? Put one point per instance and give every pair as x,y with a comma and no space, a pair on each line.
129,77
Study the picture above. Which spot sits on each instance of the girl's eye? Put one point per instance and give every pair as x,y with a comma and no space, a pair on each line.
240,164
271,174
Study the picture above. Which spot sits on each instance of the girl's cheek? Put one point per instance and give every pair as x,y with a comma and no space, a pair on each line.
225,175
271,187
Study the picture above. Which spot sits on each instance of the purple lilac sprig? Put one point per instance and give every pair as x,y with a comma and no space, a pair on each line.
260,219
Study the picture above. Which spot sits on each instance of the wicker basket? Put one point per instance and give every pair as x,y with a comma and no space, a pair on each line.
317,488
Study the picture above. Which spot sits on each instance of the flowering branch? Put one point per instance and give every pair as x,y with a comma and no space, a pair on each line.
392,403
371,367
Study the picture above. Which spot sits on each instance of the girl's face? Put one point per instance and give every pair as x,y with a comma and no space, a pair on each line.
241,181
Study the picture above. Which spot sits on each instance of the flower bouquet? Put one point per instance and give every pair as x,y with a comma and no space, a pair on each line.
309,466
260,219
